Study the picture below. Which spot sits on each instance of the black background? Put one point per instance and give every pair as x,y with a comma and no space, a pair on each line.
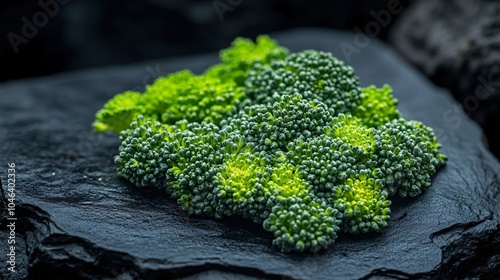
89,33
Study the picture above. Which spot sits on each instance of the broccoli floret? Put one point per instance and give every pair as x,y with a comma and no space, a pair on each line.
351,131
118,113
195,98
300,225
270,127
143,153
289,141
241,187
243,54
298,220
195,160
323,162
179,96
364,205
407,156
377,107
185,96
312,74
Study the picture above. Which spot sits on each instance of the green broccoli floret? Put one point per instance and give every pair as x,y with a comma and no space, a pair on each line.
312,74
270,127
377,107
298,220
143,153
195,98
185,96
407,156
364,205
195,160
241,187
300,225
352,131
118,113
179,96
289,141
243,54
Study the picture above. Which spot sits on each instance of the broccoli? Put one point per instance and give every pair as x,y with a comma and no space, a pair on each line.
290,141
118,113
195,98
243,54
271,127
377,106
240,187
312,74
407,156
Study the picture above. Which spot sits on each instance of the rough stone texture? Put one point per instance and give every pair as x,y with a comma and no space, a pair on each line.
457,44
77,220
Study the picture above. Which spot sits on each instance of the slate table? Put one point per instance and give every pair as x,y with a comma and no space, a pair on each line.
77,220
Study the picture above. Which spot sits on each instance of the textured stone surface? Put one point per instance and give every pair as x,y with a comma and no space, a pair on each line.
457,44
77,220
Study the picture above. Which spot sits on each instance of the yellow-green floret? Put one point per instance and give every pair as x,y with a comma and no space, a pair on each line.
243,54
118,113
298,220
364,205
377,107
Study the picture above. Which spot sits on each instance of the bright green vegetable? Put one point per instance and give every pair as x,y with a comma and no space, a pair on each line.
195,98
243,55
289,141
312,74
118,113
377,107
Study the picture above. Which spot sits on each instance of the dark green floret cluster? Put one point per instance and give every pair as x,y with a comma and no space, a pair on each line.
288,140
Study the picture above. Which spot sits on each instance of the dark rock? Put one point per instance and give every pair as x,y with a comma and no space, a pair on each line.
457,44
77,220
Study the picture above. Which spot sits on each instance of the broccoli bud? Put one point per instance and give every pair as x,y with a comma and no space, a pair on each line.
312,74
363,204
377,107
142,151
407,156
118,113
243,54
271,127
298,220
